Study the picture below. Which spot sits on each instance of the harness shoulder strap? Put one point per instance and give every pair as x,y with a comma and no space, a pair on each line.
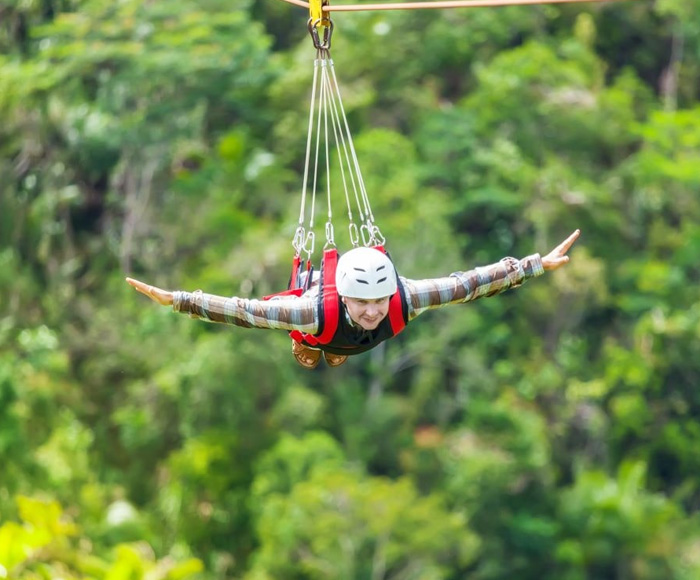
397,316
329,312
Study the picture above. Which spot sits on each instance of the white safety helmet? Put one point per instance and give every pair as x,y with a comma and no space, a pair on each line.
365,273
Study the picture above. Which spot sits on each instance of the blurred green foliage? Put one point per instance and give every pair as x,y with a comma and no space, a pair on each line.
550,433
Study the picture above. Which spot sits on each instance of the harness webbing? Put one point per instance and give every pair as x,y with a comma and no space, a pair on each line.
330,312
329,294
396,314
396,318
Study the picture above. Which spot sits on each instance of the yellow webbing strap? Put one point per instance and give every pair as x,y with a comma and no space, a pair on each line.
316,14
316,10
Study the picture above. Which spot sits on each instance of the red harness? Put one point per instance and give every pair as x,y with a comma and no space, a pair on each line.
329,296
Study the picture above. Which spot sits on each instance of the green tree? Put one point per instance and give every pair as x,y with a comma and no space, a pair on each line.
342,525
46,543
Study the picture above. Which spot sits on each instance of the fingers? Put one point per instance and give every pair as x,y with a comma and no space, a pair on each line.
568,242
557,257
140,286
163,297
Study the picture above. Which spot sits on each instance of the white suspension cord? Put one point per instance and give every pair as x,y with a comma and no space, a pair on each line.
300,237
327,99
326,108
319,124
342,151
370,232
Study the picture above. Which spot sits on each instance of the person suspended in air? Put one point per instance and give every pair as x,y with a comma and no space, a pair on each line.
357,303
359,300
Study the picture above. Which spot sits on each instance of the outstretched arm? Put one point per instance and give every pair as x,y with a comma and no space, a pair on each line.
557,257
289,313
483,281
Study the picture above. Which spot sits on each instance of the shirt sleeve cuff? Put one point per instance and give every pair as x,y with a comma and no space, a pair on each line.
180,301
532,266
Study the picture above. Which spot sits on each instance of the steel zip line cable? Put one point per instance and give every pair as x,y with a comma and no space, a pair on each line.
438,4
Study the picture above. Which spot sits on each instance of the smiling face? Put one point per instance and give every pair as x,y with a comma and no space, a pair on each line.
367,312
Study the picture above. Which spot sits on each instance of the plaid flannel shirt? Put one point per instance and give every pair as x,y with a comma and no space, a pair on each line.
301,313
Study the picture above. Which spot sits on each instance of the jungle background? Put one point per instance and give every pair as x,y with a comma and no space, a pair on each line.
549,433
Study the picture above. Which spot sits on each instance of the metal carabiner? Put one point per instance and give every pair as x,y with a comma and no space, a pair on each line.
313,25
354,235
298,240
310,240
330,235
377,236
365,234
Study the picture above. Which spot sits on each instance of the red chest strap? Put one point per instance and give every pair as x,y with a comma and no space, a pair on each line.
396,319
331,312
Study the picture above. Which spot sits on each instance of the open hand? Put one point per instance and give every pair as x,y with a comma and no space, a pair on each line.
557,257
163,297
